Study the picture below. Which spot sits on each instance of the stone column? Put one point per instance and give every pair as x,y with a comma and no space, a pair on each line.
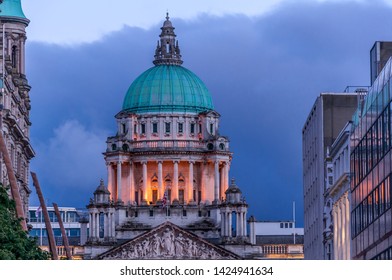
190,185
343,230
131,185
222,223
97,224
109,224
113,225
110,180
227,180
216,192
238,224
341,226
245,230
335,233
22,55
145,197
160,180
203,182
119,182
230,224
91,225
222,182
348,232
106,225
174,194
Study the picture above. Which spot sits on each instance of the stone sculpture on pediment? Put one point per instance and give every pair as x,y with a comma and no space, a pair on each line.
168,242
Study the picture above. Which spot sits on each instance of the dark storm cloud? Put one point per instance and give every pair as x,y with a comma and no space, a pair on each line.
264,74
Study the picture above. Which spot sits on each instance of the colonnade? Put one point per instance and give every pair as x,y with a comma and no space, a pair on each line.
341,228
125,191
108,226
227,222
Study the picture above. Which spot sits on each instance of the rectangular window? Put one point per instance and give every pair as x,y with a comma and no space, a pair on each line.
184,213
32,216
192,128
181,196
52,216
154,196
151,213
211,128
155,128
167,127
135,129
137,197
124,128
72,217
168,195
180,127
143,128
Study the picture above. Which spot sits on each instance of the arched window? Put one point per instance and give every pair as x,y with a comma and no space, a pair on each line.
154,189
14,56
168,185
125,147
181,188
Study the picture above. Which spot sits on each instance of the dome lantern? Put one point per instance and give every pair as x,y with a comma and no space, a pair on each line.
167,51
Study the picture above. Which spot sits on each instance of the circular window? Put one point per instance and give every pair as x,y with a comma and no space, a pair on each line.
210,146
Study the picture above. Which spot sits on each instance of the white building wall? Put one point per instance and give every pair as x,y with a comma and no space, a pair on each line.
277,228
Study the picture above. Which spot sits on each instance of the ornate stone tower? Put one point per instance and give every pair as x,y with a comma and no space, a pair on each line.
233,211
101,216
167,160
14,95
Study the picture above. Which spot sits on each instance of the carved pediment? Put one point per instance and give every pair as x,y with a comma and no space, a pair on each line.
167,241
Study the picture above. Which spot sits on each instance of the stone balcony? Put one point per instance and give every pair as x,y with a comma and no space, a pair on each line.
165,145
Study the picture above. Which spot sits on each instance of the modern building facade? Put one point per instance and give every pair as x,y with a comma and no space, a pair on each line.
75,224
337,227
329,114
371,213
379,55
14,97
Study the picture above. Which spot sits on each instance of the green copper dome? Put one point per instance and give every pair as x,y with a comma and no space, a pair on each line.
11,8
167,88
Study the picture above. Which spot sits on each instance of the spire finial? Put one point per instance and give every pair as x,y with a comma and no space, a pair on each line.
167,51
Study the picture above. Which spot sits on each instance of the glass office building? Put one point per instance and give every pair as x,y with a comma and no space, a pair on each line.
371,213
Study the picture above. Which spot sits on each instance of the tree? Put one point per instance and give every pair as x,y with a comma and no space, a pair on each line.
15,244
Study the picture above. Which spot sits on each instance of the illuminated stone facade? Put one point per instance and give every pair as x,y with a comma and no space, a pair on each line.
337,237
167,161
14,96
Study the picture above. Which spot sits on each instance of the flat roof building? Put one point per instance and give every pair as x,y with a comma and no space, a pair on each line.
329,114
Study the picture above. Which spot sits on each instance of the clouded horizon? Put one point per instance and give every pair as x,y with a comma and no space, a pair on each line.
264,74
